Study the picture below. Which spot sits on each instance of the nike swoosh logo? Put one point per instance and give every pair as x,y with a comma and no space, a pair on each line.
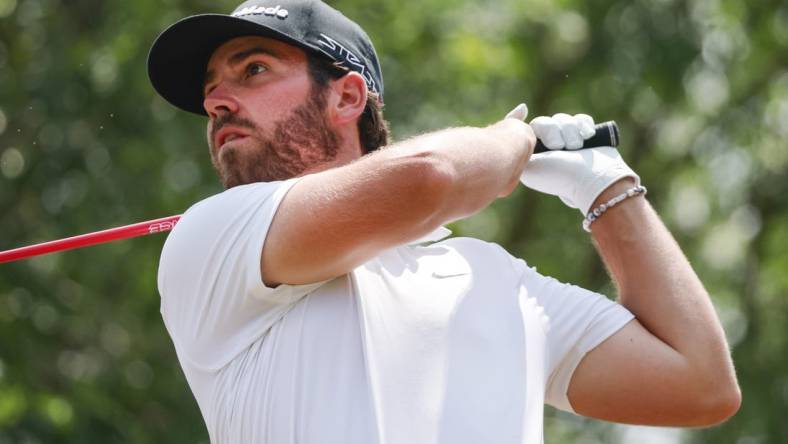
447,275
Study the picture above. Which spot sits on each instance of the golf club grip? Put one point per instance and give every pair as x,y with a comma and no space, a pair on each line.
606,135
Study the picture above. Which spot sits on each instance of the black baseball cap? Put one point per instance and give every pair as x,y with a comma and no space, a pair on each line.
179,57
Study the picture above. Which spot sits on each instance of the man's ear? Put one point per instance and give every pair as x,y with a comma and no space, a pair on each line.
349,98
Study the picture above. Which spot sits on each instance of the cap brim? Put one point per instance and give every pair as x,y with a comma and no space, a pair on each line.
179,57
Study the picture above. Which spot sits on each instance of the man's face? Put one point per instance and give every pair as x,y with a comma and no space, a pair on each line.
266,120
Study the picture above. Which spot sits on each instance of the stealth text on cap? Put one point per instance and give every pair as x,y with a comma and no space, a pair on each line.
346,59
277,12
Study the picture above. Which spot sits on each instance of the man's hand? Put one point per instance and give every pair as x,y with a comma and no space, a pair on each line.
577,177
519,113
563,131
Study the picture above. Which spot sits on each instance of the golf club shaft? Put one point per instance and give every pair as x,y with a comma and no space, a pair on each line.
85,240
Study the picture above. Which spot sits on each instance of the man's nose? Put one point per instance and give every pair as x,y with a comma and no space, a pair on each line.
221,100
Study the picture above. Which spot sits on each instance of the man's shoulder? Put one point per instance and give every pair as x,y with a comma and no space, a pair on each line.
219,215
228,204
236,194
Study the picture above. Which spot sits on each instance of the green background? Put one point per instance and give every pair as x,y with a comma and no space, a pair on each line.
699,88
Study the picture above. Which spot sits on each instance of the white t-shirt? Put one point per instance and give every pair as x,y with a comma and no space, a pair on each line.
450,342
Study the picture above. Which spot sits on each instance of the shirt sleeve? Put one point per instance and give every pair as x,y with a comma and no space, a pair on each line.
213,300
576,321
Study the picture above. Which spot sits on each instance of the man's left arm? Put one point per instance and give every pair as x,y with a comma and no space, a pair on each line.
670,366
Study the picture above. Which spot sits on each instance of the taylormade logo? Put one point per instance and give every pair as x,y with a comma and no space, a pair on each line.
277,12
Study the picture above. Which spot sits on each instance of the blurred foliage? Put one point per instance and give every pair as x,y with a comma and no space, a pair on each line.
699,88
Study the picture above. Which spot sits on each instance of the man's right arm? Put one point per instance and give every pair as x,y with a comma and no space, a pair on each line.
332,221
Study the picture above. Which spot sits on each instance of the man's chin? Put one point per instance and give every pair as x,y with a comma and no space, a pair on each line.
231,176
236,144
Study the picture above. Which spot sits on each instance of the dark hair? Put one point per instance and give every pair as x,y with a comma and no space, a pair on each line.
373,129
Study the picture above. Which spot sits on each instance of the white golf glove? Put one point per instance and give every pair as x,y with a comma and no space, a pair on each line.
577,176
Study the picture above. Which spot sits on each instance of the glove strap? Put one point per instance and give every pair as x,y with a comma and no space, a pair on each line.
596,212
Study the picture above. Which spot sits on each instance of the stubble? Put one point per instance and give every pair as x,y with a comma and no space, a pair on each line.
299,141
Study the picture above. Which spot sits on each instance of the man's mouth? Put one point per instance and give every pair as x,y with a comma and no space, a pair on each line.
232,137
227,135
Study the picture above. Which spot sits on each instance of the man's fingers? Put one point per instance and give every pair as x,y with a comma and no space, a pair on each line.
563,131
585,124
548,131
569,131
519,113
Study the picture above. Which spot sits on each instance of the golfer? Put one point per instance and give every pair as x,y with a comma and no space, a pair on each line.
319,300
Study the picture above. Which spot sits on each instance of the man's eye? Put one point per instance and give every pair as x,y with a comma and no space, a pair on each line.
254,69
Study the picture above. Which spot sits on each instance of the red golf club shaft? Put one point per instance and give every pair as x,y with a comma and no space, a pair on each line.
85,240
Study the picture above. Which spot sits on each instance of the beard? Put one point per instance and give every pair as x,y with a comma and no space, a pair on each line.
299,141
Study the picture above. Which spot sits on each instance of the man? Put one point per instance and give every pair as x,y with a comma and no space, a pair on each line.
310,303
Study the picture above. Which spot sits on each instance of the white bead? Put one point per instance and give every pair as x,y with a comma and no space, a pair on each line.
596,212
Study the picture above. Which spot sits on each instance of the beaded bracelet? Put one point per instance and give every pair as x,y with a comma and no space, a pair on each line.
596,212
